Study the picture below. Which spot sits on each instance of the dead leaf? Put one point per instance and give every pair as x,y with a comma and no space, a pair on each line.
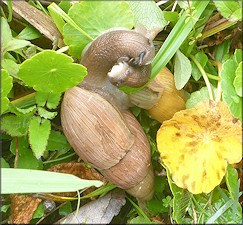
23,208
100,211
197,144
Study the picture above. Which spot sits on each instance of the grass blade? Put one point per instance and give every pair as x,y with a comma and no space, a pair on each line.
176,37
34,181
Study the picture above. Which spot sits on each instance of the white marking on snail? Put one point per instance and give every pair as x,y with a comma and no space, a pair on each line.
119,72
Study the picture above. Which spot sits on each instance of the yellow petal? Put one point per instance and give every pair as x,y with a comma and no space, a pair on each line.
197,143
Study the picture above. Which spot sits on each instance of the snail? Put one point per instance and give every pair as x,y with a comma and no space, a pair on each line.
95,115
160,97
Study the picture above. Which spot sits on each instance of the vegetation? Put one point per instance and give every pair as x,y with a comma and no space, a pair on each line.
199,41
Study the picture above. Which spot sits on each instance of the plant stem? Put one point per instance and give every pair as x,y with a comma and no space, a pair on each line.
217,29
25,101
213,77
210,92
63,49
59,159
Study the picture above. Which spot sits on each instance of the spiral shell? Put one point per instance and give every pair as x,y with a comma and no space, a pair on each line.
112,141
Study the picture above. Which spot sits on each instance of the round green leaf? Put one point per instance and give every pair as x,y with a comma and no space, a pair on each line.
199,96
238,80
229,93
231,10
49,71
94,17
51,100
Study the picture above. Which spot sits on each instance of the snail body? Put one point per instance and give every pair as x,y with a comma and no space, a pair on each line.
121,56
94,114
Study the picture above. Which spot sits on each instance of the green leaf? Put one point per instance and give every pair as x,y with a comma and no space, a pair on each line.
65,5
65,209
176,37
29,33
49,71
57,18
228,90
26,159
16,125
155,207
222,50
203,59
231,10
231,178
57,141
238,80
6,34
238,56
183,4
4,104
181,200
140,220
6,82
159,185
95,17
16,44
35,181
46,114
199,96
182,70
6,86
39,212
11,66
19,111
4,164
51,100
225,207
4,208
154,19
171,16
39,131
30,51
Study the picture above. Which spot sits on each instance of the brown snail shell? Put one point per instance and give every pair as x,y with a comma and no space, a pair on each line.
94,114
112,141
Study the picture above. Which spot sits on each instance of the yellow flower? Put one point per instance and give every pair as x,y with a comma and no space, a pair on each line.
196,145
